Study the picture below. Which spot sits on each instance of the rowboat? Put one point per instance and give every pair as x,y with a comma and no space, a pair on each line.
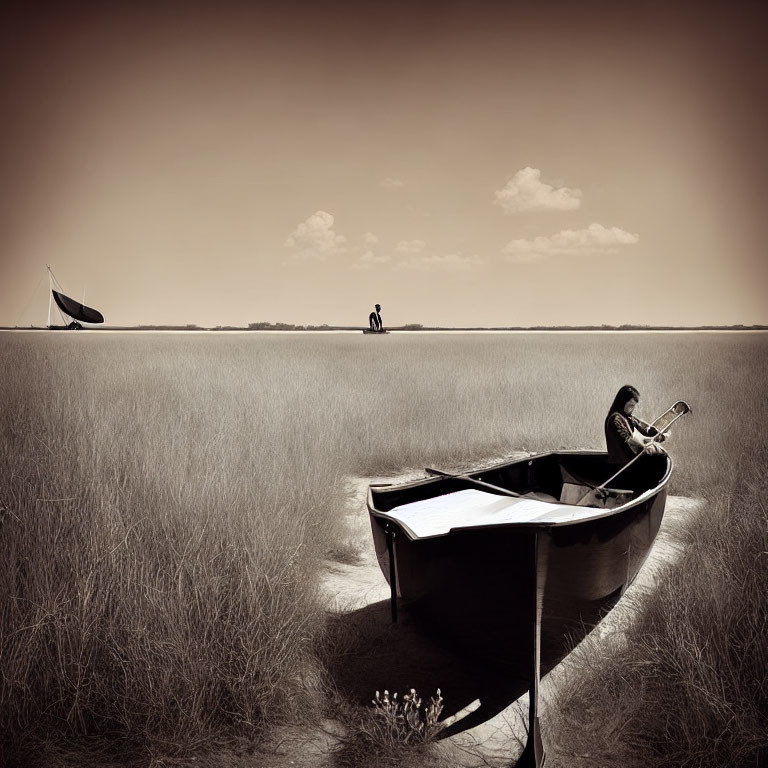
519,560
377,333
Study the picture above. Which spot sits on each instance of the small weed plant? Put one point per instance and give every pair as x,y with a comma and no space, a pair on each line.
409,719
392,732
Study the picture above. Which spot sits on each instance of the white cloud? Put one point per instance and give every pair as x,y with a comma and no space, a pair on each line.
369,259
410,246
315,239
453,262
525,191
570,242
370,239
390,183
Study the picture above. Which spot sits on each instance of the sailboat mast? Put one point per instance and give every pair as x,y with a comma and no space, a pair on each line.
50,295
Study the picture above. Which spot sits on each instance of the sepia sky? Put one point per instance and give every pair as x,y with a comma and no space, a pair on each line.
518,163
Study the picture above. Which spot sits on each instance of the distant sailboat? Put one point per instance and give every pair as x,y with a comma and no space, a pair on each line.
69,308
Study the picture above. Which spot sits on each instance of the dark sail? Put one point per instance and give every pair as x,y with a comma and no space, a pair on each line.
76,310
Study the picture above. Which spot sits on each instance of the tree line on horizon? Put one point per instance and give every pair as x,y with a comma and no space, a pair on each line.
279,326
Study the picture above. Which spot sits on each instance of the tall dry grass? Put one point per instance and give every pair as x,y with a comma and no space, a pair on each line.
167,500
684,681
688,683
165,507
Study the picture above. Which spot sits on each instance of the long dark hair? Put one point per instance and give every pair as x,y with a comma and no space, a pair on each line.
623,396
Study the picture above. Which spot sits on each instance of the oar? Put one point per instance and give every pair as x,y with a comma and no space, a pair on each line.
469,479
636,457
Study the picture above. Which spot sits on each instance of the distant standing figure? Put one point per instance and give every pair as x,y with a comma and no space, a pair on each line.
374,319
625,434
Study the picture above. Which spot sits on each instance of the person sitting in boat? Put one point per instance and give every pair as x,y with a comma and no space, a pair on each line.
374,319
625,434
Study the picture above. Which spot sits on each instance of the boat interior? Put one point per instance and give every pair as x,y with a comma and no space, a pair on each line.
567,478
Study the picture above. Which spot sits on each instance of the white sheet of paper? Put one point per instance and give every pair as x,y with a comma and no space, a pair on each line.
469,508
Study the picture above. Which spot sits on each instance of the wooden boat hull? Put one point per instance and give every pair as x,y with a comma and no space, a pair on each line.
478,585
374,333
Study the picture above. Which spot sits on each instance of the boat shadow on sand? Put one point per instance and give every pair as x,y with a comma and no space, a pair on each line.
370,653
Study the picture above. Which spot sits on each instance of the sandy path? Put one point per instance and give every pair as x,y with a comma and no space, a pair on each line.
389,654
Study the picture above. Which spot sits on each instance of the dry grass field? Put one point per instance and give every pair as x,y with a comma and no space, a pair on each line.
167,500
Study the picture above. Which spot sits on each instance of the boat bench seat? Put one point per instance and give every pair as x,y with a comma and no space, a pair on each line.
585,496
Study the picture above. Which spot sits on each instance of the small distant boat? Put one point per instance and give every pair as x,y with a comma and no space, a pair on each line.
76,310
68,307
375,333
517,562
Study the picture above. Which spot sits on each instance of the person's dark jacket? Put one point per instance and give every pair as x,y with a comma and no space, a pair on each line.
618,433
